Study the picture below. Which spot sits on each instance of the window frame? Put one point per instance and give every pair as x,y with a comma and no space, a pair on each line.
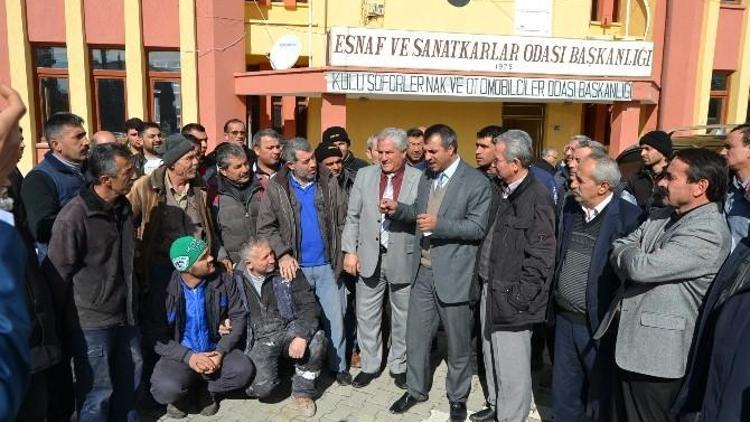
154,76
97,74
722,95
40,73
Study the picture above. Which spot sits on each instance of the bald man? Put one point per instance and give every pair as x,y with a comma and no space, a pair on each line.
103,137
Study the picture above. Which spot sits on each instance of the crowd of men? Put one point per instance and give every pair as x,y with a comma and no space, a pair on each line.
169,276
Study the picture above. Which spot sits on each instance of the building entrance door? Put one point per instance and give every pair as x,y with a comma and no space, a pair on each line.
528,117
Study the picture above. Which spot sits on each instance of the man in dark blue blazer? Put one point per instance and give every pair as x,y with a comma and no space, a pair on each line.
584,285
717,380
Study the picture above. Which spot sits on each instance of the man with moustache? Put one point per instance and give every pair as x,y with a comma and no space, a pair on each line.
450,212
237,203
377,250
235,132
415,152
267,149
656,151
90,268
301,216
152,142
133,129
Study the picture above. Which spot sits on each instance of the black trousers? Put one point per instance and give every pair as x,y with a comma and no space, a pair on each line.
645,398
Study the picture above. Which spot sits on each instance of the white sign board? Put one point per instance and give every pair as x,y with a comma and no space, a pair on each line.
533,18
506,88
488,53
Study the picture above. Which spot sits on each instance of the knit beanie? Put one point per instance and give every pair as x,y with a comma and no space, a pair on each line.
186,251
336,133
175,147
326,150
659,140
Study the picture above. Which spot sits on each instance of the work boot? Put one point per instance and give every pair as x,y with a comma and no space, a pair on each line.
305,405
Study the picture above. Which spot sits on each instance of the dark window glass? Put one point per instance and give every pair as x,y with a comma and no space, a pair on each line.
52,57
164,61
167,106
276,120
719,81
715,106
53,96
107,58
111,104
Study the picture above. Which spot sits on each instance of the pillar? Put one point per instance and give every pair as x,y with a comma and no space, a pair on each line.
288,116
79,72
135,61
706,60
624,126
188,62
221,53
740,84
21,76
332,111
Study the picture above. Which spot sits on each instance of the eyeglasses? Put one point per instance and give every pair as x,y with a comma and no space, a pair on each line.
238,132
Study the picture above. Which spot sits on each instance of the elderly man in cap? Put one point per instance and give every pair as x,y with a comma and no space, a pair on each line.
337,135
171,202
656,151
184,321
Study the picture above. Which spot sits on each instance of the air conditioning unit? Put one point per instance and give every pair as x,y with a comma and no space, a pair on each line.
374,8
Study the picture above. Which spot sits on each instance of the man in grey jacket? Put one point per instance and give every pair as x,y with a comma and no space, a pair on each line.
377,249
666,266
450,212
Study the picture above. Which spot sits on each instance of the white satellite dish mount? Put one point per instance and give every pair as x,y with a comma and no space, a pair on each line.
285,52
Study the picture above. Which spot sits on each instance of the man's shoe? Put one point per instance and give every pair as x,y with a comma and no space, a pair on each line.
400,380
344,378
458,411
305,405
175,412
485,415
363,379
405,403
211,407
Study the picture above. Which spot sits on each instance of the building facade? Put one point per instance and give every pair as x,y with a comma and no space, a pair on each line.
611,69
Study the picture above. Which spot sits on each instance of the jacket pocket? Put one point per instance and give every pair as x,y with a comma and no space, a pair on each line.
502,309
663,321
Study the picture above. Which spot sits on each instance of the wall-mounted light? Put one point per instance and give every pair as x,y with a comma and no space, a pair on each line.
459,3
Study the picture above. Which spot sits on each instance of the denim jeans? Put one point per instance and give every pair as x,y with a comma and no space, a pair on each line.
330,294
107,365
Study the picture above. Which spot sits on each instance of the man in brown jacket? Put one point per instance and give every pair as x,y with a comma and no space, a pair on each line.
170,203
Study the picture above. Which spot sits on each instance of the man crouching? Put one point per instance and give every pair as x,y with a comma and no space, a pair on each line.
185,325
283,317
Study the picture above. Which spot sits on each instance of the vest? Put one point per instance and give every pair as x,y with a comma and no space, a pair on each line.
67,180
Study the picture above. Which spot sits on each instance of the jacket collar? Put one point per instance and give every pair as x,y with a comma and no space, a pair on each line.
157,180
525,183
225,187
96,206
55,162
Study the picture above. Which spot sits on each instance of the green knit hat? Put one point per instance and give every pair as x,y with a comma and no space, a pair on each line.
185,251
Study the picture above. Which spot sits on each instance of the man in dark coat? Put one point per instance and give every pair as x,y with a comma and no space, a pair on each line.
184,321
584,285
337,135
718,374
90,267
656,151
521,263
283,322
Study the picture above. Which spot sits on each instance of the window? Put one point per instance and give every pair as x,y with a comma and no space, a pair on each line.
605,11
717,102
52,89
108,69
528,117
165,99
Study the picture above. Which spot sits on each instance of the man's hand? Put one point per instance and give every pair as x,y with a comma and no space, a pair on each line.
10,136
388,206
351,264
201,363
227,263
216,358
297,348
288,267
225,327
426,222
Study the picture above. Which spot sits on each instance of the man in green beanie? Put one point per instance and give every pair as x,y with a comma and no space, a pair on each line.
184,321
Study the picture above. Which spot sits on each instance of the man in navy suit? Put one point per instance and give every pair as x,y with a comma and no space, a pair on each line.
15,328
584,285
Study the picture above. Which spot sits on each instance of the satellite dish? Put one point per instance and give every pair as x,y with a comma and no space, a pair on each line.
285,52
458,3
